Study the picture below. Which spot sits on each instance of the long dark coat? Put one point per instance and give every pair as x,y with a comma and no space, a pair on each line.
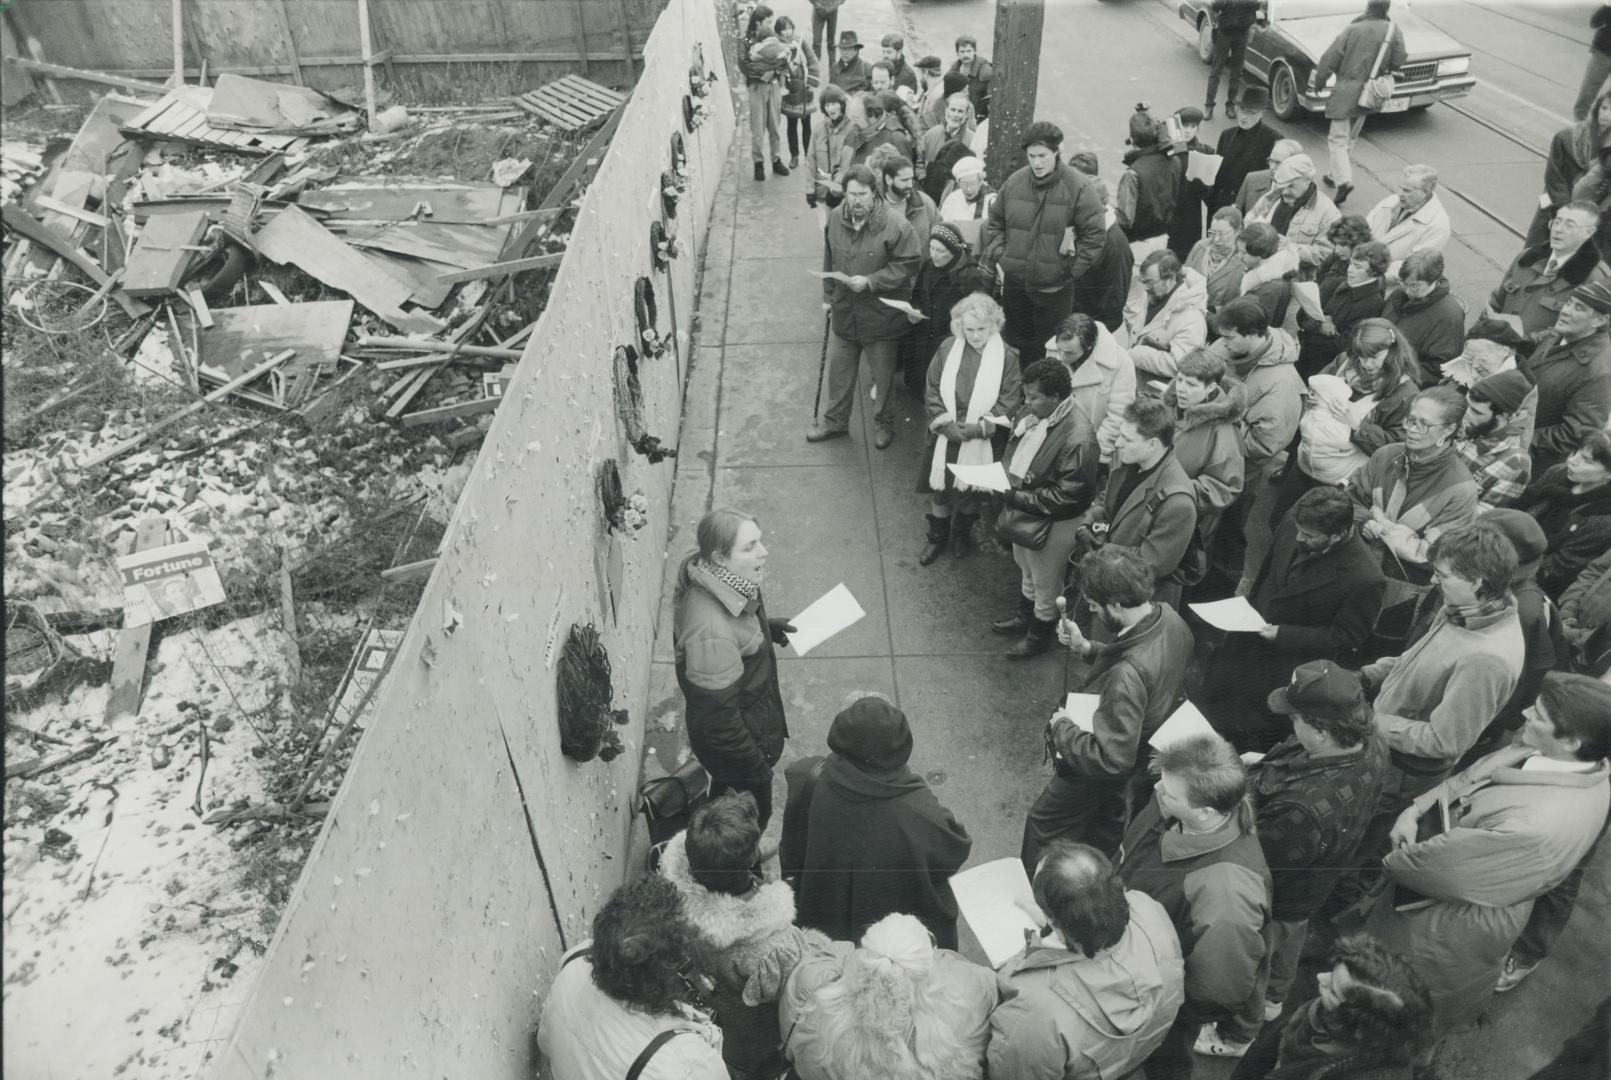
1244,151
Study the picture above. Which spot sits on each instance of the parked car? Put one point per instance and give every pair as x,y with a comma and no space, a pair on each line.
1292,35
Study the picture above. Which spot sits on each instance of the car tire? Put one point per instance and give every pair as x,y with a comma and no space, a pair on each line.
1284,93
1205,40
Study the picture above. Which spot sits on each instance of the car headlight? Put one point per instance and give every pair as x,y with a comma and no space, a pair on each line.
1455,65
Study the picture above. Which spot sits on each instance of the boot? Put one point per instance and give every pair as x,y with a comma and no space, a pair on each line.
1208,111
1036,640
1016,621
760,171
962,535
939,536
1230,110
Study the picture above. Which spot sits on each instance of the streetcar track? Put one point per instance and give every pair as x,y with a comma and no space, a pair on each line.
1503,133
1540,27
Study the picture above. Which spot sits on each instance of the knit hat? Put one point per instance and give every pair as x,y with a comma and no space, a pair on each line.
1294,167
1042,133
1086,162
890,100
929,63
1524,534
1505,390
872,734
972,165
950,237
1190,115
893,41
1143,128
1596,295
955,83
1253,99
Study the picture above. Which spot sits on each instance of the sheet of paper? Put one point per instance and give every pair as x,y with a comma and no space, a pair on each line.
1234,614
1201,166
1184,723
996,899
991,477
833,612
902,306
833,274
1308,294
1081,708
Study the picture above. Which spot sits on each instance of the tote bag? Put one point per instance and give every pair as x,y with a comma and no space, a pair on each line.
1378,89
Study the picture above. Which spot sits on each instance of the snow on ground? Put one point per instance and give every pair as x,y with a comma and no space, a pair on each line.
130,946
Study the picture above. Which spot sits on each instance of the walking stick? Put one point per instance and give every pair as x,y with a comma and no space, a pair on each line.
822,366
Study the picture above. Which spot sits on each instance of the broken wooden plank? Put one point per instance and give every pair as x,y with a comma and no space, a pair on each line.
25,224
46,202
162,254
59,71
371,341
411,362
414,571
194,407
128,661
407,387
293,649
514,266
273,291
451,204
456,245
40,765
447,412
198,304
294,237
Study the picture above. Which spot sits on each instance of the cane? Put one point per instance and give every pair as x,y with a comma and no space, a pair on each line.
822,366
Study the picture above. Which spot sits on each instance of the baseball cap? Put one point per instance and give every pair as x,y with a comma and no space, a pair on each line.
1319,684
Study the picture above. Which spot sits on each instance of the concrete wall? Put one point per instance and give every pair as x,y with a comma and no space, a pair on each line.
426,927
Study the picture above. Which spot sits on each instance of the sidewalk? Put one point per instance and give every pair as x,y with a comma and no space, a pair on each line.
842,511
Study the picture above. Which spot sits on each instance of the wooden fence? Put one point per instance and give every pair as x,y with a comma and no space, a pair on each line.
420,47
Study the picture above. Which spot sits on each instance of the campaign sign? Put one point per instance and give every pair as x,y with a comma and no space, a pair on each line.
159,583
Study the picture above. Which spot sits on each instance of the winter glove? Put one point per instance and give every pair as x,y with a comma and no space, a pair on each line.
780,629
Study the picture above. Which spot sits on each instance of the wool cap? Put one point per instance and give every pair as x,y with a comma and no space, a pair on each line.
1253,98
1506,390
1143,128
955,83
1294,167
972,165
1190,115
1524,533
950,237
873,734
929,63
893,41
1596,295
1042,133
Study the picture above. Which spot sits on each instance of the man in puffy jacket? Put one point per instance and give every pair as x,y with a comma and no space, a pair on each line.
1045,230
1166,315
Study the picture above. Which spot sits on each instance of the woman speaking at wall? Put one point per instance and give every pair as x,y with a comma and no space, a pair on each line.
726,658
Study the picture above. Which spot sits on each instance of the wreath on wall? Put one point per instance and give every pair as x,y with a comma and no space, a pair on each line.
629,406
663,245
648,319
587,723
700,77
624,514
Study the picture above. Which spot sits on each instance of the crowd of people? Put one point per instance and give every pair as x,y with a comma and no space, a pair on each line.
1194,391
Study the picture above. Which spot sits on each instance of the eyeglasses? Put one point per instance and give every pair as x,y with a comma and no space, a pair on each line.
1415,423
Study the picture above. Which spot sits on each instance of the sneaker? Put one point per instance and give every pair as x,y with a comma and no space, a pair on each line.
1272,1011
1209,1044
1343,191
1512,972
760,171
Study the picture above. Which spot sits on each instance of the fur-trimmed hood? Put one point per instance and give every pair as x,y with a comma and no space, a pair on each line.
750,941
1226,402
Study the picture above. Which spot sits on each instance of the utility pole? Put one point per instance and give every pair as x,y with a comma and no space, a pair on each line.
1016,58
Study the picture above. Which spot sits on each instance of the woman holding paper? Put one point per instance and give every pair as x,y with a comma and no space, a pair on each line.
1051,464
726,660
973,392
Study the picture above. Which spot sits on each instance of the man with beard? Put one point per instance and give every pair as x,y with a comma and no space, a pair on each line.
902,72
1493,437
1140,677
1246,147
1044,231
954,131
876,254
902,196
1318,592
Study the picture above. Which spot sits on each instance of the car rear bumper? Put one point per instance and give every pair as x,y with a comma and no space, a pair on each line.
1407,96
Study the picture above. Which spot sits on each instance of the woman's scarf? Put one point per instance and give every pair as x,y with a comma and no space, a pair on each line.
744,587
986,390
1031,434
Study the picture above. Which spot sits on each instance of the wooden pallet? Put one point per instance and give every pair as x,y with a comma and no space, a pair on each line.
571,103
173,120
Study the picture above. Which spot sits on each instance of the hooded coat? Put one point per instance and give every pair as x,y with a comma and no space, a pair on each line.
1520,832
1577,527
748,945
1272,395
1181,322
1208,444
1433,324
1104,386
1075,1017
1222,280
1025,229
875,840
1352,58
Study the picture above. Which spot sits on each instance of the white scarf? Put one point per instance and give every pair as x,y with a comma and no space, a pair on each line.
1032,434
986,389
